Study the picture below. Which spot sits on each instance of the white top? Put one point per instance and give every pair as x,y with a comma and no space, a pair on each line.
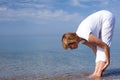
101,25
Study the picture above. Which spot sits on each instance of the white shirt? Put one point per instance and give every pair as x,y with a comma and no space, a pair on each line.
101,25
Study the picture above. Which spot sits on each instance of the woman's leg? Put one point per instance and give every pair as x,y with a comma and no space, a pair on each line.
98,70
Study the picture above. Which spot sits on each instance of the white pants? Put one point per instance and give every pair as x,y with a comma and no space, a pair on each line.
105,36
100,55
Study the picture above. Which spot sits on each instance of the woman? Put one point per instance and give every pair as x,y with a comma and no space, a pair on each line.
95,32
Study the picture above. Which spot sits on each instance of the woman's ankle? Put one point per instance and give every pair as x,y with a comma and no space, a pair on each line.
95,75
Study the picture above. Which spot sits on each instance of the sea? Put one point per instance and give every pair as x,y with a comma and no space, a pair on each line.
42,57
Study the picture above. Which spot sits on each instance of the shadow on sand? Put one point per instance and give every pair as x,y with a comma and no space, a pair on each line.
112,73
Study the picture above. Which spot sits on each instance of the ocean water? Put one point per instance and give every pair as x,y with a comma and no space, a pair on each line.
43,56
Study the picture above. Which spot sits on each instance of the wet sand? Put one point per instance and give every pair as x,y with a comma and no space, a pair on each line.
58,77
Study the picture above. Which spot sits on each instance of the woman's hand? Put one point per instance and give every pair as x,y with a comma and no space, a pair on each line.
106,64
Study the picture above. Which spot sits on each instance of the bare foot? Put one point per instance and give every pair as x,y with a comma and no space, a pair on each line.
94,76
91,76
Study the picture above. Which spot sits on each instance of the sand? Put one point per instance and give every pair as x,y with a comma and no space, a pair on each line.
58,77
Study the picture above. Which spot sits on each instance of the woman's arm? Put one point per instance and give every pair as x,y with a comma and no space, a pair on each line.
91,45
98,42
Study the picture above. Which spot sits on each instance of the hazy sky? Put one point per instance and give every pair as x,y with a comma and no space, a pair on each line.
38,17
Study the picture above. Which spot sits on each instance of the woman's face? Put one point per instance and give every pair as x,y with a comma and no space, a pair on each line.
73,45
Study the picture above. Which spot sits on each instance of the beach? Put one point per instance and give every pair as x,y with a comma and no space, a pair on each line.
43,58
59,77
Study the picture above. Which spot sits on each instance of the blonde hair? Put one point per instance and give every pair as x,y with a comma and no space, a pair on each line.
68,38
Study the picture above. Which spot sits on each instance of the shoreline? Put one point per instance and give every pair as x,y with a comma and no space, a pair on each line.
68,76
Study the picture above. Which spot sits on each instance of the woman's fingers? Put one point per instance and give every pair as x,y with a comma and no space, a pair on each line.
106,65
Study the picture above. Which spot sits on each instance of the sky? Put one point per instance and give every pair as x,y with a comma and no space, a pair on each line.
50,17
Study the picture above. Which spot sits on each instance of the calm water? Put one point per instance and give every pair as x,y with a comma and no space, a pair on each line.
44,56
